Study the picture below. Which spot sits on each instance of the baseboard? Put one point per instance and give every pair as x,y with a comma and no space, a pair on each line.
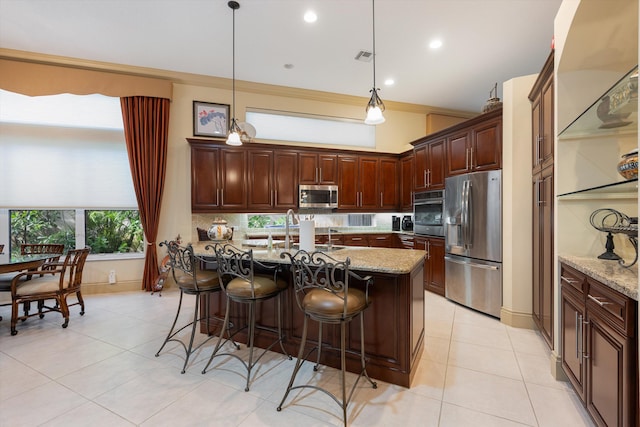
105,288
556,367
517,319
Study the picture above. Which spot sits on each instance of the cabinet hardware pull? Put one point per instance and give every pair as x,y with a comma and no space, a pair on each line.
579,336
428,248
381,200
540,139
275,193
471,157
222,196
568,280
597,301
428,177
466,158
424,177
320,169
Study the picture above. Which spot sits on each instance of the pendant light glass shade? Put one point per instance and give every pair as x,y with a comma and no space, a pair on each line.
234,131
375,107
234,134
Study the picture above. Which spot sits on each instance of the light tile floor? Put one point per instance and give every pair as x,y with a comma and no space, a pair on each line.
101,371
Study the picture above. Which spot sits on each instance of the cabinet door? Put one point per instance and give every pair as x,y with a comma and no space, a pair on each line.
260,173
308,168
205,185
458,161
233,191
388,184
285,175
435,255
327,169
546,262
536,129
547,142
436,159
381,241
420,168
421,243
608,368
486,151
348,194
572,339
537,222
368,176
406,174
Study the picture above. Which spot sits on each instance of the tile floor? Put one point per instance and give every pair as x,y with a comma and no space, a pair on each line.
101,371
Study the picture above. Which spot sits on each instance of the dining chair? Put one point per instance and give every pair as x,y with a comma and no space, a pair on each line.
247,281
190,274
323,293
56,282
54,249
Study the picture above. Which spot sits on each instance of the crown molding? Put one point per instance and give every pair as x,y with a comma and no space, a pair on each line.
222,83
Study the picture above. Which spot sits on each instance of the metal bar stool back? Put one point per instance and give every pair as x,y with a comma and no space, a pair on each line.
241,284
191,279
323,294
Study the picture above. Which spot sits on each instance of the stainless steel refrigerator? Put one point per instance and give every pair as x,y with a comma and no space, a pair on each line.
473,240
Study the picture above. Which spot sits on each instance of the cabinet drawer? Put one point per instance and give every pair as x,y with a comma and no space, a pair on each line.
617,309
573,278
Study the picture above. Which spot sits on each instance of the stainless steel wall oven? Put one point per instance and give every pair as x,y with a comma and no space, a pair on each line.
428,209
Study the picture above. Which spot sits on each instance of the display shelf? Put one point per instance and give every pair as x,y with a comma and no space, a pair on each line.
614,113
617,190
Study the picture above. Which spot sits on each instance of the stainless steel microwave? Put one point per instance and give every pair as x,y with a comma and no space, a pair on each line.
318,196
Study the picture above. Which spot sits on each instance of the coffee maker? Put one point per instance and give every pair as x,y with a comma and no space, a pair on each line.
407,223
395,223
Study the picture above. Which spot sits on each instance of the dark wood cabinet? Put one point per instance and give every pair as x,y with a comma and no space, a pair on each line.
433,263
476,148
600,348
542,117
367,183
429,170
316,168
381,240
407,163
388,184
272,182
541,98
218,177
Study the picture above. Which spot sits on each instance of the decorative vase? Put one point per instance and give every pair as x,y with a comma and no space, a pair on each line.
219,230
628,166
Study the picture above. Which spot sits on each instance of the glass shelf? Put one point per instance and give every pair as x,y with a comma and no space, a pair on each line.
614,113
617,190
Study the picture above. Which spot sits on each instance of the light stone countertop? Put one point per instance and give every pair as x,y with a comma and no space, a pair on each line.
379,260
610,273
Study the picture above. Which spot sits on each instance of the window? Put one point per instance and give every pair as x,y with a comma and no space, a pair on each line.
285,126
66,174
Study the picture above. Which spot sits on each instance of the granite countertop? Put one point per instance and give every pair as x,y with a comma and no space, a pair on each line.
379,260
610,273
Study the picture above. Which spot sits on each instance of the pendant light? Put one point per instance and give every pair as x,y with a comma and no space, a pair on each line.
234,129
375,107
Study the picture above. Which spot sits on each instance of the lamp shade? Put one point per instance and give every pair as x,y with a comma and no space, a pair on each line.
234,138
374,116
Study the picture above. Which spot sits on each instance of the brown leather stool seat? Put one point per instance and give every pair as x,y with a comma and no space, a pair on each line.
323,293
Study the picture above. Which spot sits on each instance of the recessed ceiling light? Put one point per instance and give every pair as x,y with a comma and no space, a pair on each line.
389,82
435,44
310,16
288,66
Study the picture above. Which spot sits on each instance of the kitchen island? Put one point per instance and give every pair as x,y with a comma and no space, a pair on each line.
394,323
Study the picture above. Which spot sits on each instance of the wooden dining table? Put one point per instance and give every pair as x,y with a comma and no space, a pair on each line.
15,263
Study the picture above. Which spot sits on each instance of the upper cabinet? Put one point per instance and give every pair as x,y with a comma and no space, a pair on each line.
367,183
407,163
429,170
272,180
542,115
317,168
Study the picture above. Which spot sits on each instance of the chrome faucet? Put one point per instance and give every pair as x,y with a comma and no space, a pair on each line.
295,220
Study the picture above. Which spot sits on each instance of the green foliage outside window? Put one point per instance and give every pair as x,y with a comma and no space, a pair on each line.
43,226
263,221
110,232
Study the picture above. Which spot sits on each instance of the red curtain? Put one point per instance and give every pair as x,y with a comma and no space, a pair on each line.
146,127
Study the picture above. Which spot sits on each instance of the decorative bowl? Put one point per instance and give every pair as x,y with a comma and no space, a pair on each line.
628,166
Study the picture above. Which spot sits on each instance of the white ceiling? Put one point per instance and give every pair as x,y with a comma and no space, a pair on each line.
485,41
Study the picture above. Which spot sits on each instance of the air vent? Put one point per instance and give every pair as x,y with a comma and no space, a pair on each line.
364,56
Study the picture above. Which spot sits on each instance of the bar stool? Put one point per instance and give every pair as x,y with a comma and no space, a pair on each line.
323,294
236,273
192,280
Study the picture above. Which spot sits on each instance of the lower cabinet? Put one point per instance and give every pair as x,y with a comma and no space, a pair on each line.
600,348
433,264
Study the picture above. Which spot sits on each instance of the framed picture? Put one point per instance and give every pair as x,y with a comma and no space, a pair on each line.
211,120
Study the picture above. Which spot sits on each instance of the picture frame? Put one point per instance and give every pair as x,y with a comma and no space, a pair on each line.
210,119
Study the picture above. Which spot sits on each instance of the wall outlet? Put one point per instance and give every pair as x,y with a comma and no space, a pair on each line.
112,277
